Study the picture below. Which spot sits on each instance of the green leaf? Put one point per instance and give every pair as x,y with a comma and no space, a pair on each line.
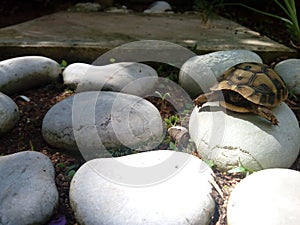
209,163
238,169
61,165
159,94
71,173
73,167
172,146
63,63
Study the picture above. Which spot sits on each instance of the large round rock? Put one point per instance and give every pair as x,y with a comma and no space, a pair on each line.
199,73
289,70
22,73
230,139
112,77
267,197
9,113
157,187
27,189
94,122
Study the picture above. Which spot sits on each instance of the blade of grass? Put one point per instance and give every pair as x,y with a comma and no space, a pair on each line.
262,12
282,7
289,8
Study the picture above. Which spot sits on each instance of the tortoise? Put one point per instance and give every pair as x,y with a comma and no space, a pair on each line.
248,88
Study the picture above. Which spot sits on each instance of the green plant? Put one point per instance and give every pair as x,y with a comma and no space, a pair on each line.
69,171
163,98
289,8
210,163
173,146
172,120
241,169
292,95
173,76
63,64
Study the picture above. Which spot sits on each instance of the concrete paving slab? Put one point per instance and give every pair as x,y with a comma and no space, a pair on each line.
83,37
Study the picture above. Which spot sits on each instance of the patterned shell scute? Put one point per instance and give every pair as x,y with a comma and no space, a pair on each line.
256,82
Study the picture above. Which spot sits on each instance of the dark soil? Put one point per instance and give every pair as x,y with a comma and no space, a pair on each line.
27,133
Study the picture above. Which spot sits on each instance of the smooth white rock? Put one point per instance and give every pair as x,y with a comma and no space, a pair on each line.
158,7
158,187
9,113
199,73
289,70
112,77
229,138
22,73
95,121
27,189
267,197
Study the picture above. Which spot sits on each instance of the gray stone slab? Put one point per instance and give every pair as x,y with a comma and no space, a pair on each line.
76,36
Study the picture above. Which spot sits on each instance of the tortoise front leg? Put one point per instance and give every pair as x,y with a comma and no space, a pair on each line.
209,97
265,113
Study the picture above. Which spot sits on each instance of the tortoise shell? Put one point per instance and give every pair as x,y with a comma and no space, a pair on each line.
256,82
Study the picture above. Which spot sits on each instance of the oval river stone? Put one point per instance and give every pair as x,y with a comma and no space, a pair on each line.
199,73
97,122
230,139
157,187
9,113
27,189
267,197
22,73
112,77
289,70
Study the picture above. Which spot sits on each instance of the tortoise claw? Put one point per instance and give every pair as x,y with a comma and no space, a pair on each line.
267,114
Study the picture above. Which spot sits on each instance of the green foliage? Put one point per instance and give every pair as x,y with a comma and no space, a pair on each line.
241,169
289,8
173,146
210,163
63,64
172,120
163,96
292,95
69,171
71,174
173,76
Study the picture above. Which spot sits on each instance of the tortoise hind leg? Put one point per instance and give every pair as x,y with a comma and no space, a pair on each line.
265,113
209,97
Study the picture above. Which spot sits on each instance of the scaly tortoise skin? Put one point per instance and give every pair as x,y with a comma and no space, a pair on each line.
248,87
